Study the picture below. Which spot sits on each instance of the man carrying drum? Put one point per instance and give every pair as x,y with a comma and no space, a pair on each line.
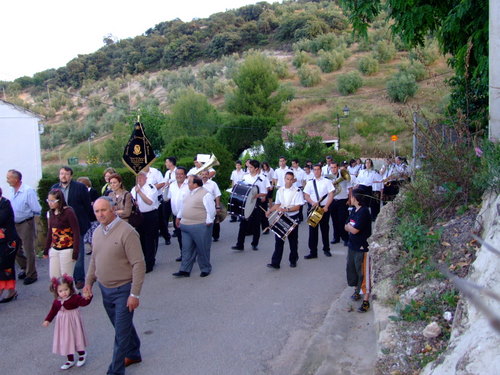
289,200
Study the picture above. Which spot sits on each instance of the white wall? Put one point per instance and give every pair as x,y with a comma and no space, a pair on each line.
19,145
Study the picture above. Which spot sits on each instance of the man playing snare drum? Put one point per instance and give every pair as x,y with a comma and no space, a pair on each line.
289,200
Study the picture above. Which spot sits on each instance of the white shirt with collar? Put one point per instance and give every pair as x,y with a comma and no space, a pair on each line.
212,188
176,195
208,202
257,181
279,175
151,193
299,176
290,197
25,203
344,186
324,187
237,176
366,177
168,179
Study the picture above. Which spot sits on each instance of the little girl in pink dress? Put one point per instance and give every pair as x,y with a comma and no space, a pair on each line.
69,335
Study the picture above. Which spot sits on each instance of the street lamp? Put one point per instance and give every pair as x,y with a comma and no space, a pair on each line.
346,114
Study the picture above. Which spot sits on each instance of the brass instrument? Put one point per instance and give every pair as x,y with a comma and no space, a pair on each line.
344,176
211,162
315,216
393,177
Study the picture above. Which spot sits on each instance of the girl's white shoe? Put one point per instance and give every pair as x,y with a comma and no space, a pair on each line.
81,359
68,365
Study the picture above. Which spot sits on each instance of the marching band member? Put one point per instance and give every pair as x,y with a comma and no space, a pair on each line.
300,182
253,222
289,200
279,173
213,188
176,193
266,176
169,178
366,178
326,169
316,192
339,208
236,176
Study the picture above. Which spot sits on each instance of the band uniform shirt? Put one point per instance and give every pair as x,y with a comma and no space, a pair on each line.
267,181
154,177
299,176
290,197
25,203
344,186
212,188
366,177
268,174
237,176
279,176
176,195
151,193
354,171
308,176
324,187
208,203
326,170
377,186
257,181
168,179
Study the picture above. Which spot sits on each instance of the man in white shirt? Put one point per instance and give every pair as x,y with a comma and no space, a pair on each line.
195,218
236,176
213,188
319,192
326,170
168,179
155,178
197,165
177,191
146,197
279,173
289,200
299,182
253,222
339,208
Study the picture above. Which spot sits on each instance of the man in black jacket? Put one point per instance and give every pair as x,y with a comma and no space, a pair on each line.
77,197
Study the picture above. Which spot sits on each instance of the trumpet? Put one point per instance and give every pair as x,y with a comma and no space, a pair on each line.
211,162
344,176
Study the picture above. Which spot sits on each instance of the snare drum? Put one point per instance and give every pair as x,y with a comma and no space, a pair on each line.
281,224
242,200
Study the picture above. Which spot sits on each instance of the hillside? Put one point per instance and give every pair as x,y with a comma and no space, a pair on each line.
80,117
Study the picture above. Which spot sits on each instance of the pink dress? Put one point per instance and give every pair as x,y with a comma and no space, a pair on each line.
69,333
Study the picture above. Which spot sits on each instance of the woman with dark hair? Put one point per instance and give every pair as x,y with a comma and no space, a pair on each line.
359,227
121,197
106,190
63,236
9,243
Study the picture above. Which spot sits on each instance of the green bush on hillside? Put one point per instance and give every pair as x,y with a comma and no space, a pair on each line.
368,65
301,58
415,68
349,83
426,54
309,75
330,61
401,87
384,51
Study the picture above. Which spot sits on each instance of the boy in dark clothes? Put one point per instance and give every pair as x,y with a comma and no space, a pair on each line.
359,227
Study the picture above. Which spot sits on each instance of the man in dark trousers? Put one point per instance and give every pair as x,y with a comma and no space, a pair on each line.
77,197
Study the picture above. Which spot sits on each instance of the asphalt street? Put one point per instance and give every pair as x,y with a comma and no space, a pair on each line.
243,319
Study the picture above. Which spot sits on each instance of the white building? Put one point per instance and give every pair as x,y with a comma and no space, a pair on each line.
19,144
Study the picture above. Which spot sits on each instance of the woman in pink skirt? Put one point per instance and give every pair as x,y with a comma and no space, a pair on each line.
69,335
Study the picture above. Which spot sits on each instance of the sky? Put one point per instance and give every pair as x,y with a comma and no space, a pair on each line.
37,35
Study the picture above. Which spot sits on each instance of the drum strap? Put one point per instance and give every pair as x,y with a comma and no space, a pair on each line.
316,190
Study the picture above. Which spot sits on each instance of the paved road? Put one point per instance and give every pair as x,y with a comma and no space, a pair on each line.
243,319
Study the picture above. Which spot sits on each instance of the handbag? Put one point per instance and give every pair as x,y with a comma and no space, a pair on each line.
135,219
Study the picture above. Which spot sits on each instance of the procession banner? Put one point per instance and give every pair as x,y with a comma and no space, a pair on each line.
138,152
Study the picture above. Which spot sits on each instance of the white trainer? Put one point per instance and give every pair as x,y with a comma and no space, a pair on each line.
81,359
68,365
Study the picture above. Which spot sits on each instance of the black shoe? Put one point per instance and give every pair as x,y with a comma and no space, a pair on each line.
29,280
8,299
365,306
179,259
215,240
174,234
355,296
334,242
310,256
293,265
327,253
204,274
254,247
131,361
233,221
181,274
270,265
237,248
266,232
22,275
167,242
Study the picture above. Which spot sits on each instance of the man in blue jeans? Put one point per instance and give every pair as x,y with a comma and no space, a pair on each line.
117,264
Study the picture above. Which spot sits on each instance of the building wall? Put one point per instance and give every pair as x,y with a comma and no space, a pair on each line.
20,145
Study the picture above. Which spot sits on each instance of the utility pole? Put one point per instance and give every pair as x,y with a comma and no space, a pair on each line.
494,79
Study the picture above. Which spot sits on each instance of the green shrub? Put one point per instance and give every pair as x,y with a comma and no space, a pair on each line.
330,61
384,51
280,68
309,75
426,54
401,87
368,65
349,83
301,58
415,68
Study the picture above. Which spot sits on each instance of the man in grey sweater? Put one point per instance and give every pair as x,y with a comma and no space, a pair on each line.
117,264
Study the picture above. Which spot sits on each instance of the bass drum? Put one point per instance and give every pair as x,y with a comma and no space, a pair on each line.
242,200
